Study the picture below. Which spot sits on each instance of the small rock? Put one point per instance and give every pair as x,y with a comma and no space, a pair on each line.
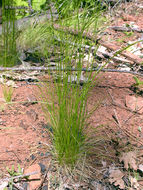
35,180
52,64
43,167
135,103
74,79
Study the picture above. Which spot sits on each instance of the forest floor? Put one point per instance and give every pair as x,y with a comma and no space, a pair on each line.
23,129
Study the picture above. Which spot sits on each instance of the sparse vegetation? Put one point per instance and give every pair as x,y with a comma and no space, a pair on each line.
68,104
67,53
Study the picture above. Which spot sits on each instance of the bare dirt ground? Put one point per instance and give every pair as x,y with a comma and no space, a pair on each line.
23,132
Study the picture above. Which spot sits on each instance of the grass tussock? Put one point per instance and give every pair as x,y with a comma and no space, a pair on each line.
65,96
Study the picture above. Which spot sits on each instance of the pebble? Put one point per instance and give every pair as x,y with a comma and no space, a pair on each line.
43,167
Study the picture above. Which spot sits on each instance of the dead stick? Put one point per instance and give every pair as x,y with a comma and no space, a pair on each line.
94,48
126,29
19,176
93,37
126,54
67,69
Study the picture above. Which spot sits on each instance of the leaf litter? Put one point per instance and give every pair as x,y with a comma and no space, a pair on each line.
129,160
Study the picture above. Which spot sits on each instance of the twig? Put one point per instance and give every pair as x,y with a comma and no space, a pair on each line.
125,53
126,29
93,48
19,176
92,37
117,119
67,69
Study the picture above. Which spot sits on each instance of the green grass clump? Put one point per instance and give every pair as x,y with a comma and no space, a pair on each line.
65,96
68,113
68,119
65,100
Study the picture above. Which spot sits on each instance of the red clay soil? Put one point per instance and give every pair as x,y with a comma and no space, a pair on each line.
22,125
21,129
22,133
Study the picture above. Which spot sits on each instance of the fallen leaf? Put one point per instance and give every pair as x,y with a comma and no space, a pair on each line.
129,160
115,177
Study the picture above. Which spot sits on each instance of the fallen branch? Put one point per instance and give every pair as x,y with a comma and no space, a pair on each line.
98,52
125,53
114,58
67,69
108,45
126,29
19,176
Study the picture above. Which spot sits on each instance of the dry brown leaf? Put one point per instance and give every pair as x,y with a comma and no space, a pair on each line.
129,160
115,177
